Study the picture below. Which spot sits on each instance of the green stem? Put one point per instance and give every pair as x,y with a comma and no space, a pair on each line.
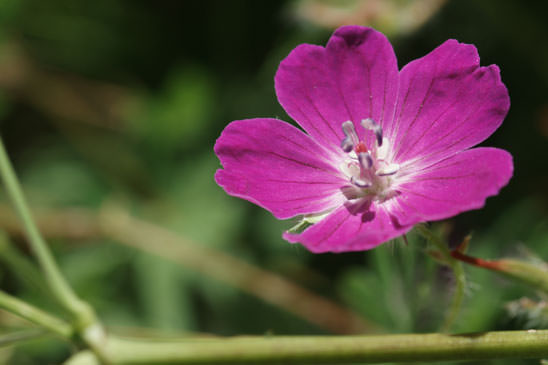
458,296
56,282
433,239
17,337
35,315
29,275
83,317
331,349
458,271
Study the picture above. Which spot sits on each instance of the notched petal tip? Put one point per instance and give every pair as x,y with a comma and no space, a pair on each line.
454,105
459,47
354,35
321,87
495,73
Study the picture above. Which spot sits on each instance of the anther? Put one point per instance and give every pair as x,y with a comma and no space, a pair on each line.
347,145
370,124
388,170
359,182
351,138
348,128
365,159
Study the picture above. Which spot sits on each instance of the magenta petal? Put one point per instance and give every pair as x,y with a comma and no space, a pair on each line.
275,165
430,114
350,228
454,185
353,78
446,104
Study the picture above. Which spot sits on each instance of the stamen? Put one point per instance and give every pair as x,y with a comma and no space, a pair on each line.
370,124
347,145
359,182
348,128
388,170
351,138
382,151
365,159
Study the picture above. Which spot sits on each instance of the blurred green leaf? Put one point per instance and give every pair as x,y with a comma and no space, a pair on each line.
40,351
23,269
200,209
164,293
179,115
8,9
362,291
53,176
96,272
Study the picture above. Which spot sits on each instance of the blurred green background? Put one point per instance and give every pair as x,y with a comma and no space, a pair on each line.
110,110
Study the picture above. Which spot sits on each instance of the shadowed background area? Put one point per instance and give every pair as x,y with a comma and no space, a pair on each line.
110,110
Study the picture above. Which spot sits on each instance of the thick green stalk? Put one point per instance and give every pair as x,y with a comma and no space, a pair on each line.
35,315
329,349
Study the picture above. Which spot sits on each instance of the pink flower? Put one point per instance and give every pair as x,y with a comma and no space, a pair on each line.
383,149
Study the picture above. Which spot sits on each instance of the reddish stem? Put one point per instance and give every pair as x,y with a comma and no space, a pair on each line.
486,264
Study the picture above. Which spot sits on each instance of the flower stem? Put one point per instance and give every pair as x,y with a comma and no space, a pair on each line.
458,296
458,271
55,280
533,273
82,314
434,240
27,273
331,349
35,315
16,337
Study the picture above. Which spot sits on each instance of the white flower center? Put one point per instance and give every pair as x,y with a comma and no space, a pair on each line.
369,170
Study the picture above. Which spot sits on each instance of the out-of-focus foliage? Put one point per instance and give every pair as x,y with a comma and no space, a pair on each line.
120,102
392,17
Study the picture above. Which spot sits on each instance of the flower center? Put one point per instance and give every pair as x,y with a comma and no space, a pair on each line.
368,168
